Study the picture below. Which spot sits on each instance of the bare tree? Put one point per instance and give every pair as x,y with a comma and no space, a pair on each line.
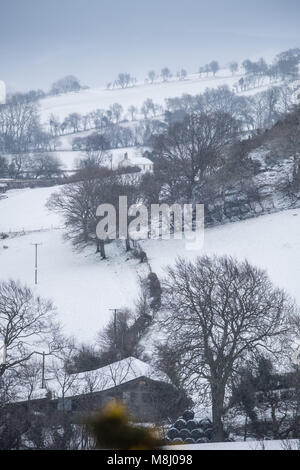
233,67
54,123
125,80
117,111
93,159
201,70
66,383
65,85
214,67
78,204
19,122
152,76
44,164
190,150
132,111
182,74
218,312
26,322
166,74
148,107
74,121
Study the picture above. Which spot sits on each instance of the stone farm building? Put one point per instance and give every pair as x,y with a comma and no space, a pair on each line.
147,393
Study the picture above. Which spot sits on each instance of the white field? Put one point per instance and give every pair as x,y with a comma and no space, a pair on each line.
84,288
70,159
24,209
86,101
271,242
249,445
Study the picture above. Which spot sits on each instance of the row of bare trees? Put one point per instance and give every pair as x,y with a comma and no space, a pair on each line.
20,128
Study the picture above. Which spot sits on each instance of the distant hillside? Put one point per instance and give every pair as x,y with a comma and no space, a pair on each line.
86,101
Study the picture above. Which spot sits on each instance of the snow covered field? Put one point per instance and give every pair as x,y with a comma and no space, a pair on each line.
84,288
271,242
249,445
24,209
70,159
86,101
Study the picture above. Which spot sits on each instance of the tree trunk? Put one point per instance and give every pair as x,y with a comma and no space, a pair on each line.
218,394
101,248
245,428
127,244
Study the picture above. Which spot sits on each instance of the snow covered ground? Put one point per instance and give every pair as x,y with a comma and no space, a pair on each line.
24,209
89,100
70,159
271,242
249,445
101,98
86,101
84,288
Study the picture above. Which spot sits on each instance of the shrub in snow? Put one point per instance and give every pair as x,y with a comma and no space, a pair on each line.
180,424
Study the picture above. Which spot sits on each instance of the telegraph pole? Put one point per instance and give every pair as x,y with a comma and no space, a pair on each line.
3,362
43,371
36,261
4,354
115,310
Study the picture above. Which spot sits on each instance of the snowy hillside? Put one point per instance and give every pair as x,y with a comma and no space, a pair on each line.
271,242
101,98
84,288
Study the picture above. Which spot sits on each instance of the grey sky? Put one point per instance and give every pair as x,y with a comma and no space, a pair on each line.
43,40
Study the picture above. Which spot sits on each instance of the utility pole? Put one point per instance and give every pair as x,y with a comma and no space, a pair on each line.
43,371
3,354
115,310
43,354
36,261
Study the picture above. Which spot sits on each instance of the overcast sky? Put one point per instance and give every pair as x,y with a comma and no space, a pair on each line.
43,40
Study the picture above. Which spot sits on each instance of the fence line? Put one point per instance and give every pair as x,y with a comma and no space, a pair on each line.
24,231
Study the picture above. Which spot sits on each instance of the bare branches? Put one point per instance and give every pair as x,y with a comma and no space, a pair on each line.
26,321
219,312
